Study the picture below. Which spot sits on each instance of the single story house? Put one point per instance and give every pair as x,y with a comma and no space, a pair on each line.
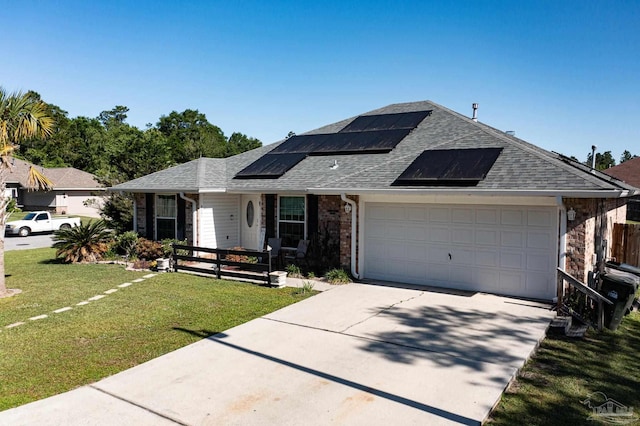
74,192
410,193
629,172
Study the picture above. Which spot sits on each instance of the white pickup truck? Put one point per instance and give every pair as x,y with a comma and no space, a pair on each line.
39,222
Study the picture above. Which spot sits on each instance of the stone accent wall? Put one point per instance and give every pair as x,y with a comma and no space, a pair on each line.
594,219
329,230
141,213
345,234
188,218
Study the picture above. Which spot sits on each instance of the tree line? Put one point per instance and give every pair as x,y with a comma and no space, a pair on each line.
605,160
116,151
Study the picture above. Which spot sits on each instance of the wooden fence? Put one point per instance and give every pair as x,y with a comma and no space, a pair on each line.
625,247
580,301
247,265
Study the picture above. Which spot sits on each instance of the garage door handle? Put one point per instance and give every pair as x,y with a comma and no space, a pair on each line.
450,256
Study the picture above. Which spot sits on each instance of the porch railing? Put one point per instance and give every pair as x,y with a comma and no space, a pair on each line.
224,263
581,301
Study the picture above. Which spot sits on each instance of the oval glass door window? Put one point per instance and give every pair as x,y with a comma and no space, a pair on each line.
250,213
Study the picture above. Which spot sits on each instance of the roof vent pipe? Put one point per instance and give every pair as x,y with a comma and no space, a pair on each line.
475,112
593,157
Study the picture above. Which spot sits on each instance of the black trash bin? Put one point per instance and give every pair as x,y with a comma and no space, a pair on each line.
625,267
620,288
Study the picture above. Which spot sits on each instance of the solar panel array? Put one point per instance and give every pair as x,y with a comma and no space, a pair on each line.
450,167
370,134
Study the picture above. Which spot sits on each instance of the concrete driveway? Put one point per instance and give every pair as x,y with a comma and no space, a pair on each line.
357,354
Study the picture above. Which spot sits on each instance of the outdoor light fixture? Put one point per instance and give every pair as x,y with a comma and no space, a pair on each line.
571,214
347,208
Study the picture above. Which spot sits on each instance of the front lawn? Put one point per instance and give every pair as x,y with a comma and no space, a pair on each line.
134,324
564,372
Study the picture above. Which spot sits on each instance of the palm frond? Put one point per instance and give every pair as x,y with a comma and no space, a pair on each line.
37,180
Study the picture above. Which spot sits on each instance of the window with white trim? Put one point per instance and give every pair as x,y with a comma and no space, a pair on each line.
166,216
291,220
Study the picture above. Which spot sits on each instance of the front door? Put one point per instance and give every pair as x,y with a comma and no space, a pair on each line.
250,219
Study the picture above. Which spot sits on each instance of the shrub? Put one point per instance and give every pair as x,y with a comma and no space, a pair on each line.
12,206
338,276
294,271
84,243
126,244
149,250
241,258
168,250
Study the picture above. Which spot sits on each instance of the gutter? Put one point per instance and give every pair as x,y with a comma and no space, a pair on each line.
194,217
354,211
618,193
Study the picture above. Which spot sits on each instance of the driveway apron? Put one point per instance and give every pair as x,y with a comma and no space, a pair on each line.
356,354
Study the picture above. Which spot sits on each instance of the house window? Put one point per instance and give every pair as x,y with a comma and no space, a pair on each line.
291,220
166,214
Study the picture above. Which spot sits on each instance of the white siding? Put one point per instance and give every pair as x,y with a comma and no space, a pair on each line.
219,220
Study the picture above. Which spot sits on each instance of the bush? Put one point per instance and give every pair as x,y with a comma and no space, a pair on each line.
149,250
294,271
338,276
12,206
168,250
84,243
126,244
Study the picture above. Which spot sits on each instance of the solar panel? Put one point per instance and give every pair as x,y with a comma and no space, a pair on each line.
270,166
379,141
403,120
450,166
300,144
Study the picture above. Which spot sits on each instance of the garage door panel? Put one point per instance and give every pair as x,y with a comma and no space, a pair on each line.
462,215
500,249
487,216
487,258
488,237
439,235
538,262
462,235
439,214
511,260
541,218
512,239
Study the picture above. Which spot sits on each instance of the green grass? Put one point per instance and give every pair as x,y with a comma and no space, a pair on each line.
564,371
135,324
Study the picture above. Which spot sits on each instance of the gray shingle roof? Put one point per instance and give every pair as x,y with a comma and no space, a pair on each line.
520,167
63,178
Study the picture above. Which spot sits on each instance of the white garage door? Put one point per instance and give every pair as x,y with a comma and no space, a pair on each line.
496,249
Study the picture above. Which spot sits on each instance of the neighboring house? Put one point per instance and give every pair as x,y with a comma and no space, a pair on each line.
629,172
74,192
411,193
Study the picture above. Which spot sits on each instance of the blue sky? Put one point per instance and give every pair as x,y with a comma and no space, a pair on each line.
562,74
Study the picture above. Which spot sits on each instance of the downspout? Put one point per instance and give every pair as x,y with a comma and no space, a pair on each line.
194,218
354,212
562,252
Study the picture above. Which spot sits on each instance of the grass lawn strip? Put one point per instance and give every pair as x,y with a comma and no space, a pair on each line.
81,346
68,308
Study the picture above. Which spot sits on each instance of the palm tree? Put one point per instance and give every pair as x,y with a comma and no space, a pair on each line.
22,116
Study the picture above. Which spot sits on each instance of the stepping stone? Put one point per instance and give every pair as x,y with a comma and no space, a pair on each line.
15,324
98,297
82,303
123,285
57,311
113,290
149,276
139,280
39,317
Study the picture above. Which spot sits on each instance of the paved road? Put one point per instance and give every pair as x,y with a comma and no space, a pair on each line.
30,242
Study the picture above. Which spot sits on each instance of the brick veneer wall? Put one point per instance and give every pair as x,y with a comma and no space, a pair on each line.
141,215
345,234
581,232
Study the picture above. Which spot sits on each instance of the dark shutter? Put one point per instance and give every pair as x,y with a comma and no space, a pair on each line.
312,216
182,223
270,210
149,207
